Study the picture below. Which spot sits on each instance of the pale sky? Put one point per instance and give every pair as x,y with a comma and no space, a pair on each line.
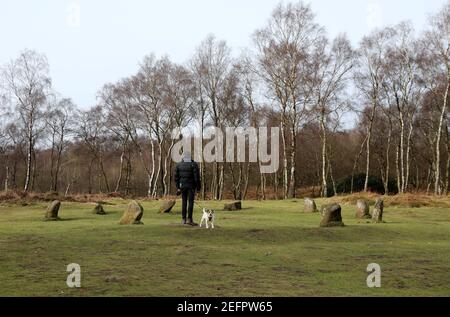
108,38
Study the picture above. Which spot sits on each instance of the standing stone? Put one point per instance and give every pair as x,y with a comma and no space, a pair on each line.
233,207
377,215
362,211
331,216
133,214
52,211
310,205
98,209
167,206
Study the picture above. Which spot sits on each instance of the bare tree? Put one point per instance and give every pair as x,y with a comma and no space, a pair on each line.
211,64
236,116
250,89
180,97
59,119
121,121
403,93
28,83
332,72
92,132
436,63
369,78
152,80
285,48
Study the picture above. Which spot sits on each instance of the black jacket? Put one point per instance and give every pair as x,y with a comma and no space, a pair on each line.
187,176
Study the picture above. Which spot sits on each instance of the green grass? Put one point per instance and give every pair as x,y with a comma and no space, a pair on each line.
267,249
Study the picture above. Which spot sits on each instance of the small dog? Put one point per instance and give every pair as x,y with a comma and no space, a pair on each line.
208,218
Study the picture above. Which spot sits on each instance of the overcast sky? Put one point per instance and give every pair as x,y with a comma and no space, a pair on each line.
91,42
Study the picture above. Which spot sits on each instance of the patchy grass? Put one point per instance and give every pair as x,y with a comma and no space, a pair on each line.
268,249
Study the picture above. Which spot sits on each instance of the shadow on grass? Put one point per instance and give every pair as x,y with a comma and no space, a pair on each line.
71,219
108,213
62,220
289,234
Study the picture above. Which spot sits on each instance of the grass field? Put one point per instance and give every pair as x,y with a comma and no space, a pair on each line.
267,249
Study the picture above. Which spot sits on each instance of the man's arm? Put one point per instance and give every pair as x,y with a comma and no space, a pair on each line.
197,179
177,177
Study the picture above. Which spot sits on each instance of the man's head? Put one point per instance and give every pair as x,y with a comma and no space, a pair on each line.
187,156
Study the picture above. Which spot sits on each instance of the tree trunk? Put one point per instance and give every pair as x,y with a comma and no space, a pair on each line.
119,179
56,174
202,163
90,176
215,181
246,181
417,178
408,158
66,193
388,162
369,139
29,159
14,175
52,163
152,174
292,182
437,185
447,171
285,160
102,169
324,155
262,176
128,176
7,179
397,162
430,171
262,184
170,185
221,181
355,165
276,185
144,163
158,173
239,185
402,155
58,162
165,182
333,181
33,170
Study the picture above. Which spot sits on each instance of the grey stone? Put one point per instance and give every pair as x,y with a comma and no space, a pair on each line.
52,211
167,206
133,214
362,211
310,205
233,206
377,215
99,210
331,216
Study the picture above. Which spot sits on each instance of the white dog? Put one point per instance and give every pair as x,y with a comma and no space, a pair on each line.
208,218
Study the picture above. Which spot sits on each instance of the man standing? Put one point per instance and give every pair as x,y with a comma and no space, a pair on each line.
187,180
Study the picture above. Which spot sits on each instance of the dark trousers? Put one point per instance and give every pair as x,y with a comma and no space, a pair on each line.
188,196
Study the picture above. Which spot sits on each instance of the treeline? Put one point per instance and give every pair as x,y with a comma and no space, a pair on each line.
395,86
